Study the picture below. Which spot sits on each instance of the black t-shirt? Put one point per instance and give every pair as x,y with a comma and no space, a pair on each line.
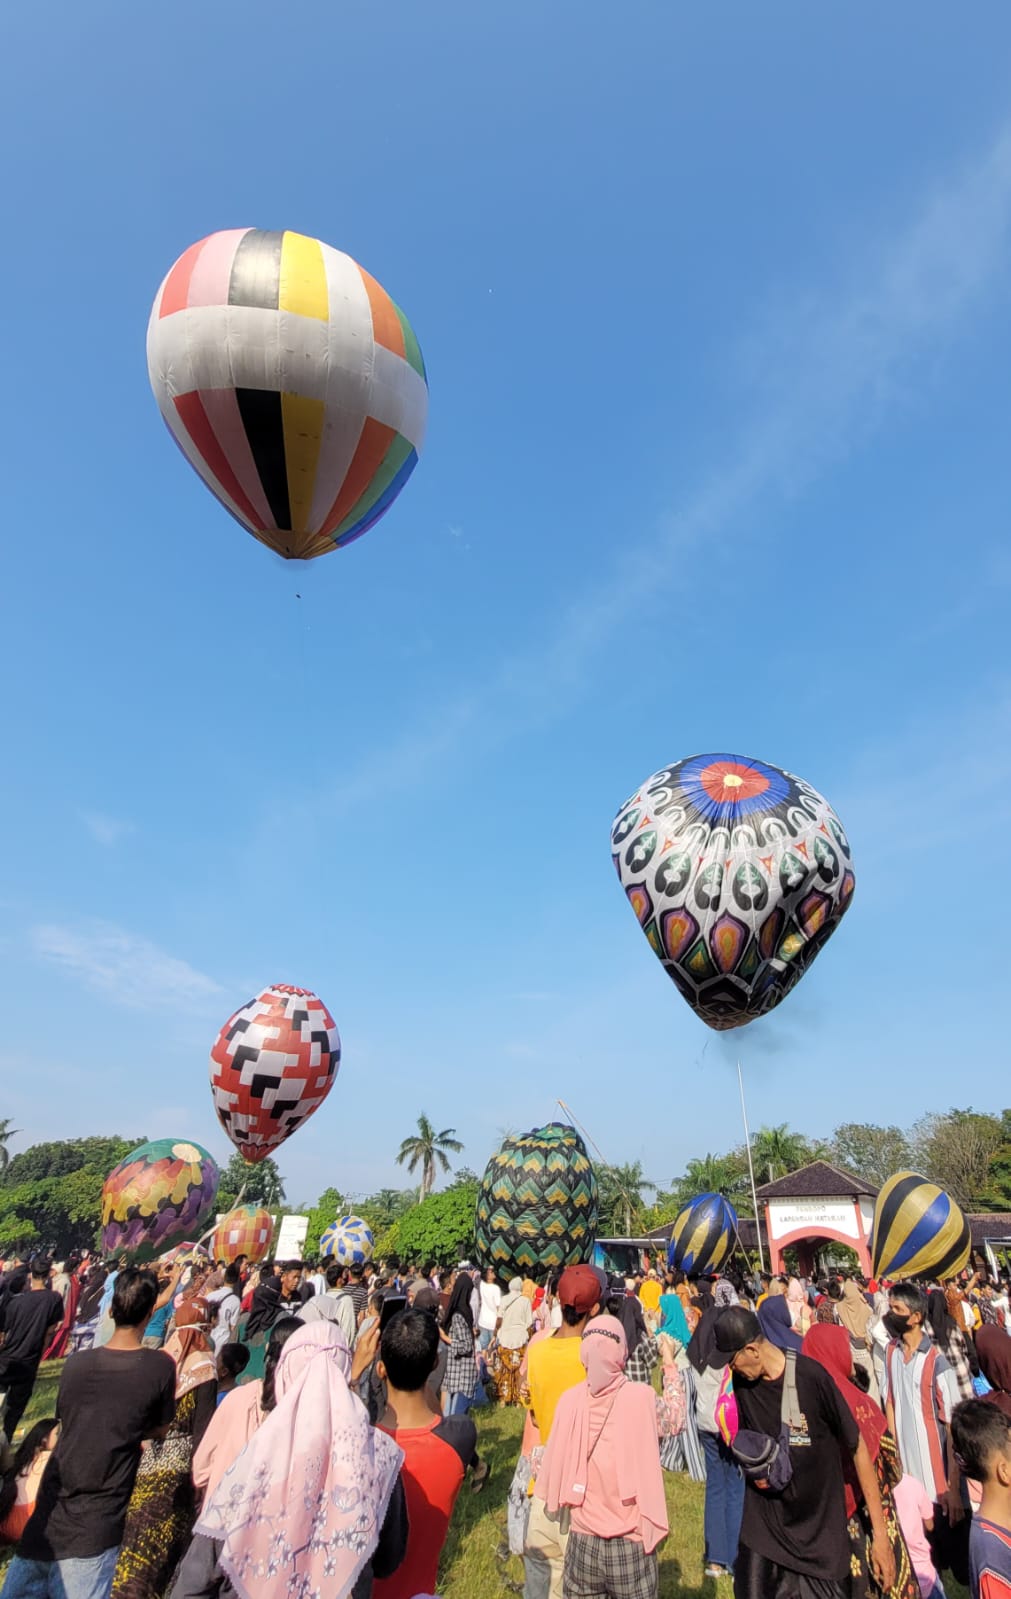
25,1321
804,1527
109,1400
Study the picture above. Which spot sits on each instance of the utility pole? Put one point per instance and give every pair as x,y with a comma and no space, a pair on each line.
751,1169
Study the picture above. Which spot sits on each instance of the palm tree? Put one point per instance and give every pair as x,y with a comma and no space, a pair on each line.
626,1184
427,1148
776,1150
7,1132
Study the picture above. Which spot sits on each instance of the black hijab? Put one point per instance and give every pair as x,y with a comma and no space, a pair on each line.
632,1320
702,1351
91,1296
265,1307
459,1302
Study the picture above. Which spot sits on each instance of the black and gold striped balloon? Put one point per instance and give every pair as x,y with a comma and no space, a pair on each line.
703,1236
918,1231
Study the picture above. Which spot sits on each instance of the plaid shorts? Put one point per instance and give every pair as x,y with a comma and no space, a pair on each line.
609,1568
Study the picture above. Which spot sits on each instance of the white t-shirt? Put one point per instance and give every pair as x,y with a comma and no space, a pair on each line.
491,1298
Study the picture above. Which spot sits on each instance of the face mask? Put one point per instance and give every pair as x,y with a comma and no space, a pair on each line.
895,1325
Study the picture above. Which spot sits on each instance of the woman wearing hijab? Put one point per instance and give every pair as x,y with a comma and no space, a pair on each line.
461,1368
314,1504
777,1324
159,1521
855,1314
724,1505
89,1310
672,1319
264,1311
240,1413
800,1310
830,1347
515,1318
993,1349
602,1462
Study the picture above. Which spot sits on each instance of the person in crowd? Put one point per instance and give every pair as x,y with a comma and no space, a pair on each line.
827,1309
240,1413
951,1338
672,1318
164,1309
231,1362
993,1351
291,1296
336,1303
19,1485
515,1318
643,1346
357,1287
109,1400
602,1463
794,1542
555,1365
490,1296
831,1348
855,1314
436,1450
920,1392
777,1324
265,1310
82,1335
461,1368
159,1521
27,1321
724,1504
226,1302
982,1438
66,1282
314,1504
797,1306
916,1518
649,1293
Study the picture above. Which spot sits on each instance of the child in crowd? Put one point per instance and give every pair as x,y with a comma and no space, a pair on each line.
19,1485
916,1518
981,1435
231,1363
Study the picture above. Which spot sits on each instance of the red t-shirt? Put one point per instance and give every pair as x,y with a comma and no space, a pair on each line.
436,1458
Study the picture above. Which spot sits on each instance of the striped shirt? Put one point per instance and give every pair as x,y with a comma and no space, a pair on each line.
989,1559
924,1392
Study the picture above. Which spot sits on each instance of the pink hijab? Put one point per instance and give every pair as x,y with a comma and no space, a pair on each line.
628,1410
301,1509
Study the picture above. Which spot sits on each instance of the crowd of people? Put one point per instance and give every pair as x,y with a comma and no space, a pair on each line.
303,1429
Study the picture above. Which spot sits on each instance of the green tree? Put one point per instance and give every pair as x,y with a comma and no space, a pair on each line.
64,1155
385,1207
958,1150
621,1197
327,1208
426,1148
440,1228
260,1180
776,1151
869,1151
7,1132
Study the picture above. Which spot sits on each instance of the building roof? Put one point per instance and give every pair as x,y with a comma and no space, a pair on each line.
995,1225
819,1180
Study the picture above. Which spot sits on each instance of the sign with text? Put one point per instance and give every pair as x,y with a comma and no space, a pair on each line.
790,1215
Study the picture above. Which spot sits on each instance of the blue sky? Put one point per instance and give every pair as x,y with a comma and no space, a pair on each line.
716,313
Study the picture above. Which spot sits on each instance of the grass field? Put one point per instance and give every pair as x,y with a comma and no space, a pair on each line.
476,1563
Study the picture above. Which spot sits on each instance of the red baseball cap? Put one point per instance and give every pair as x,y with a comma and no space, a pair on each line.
579,1286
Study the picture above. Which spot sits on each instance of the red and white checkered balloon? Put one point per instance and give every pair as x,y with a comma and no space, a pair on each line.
273,1064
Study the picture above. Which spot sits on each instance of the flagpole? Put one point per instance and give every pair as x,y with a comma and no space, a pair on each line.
751,1169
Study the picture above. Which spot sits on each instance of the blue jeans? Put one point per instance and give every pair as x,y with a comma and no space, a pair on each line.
61,1579
724,1501
455,1405
484,1337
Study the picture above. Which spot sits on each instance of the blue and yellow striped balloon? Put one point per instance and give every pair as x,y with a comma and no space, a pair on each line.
348,1241
704,1235
918,1231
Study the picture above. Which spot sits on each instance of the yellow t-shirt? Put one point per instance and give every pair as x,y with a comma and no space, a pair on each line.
649,1295
553,1365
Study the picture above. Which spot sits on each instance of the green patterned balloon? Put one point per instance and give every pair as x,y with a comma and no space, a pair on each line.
537,1204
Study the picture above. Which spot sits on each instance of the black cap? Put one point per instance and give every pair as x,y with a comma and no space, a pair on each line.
736,1327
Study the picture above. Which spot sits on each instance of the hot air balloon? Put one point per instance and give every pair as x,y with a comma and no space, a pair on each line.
292,384
160,1195
273,1064
348,1241
537,1203
918,1230
247,1230
704,1235
738,873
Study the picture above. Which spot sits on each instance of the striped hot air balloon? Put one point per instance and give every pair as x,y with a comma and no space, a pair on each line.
292,384
537,1204
918,1230
704,1235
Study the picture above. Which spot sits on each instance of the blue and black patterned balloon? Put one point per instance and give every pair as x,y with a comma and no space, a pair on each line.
704,1235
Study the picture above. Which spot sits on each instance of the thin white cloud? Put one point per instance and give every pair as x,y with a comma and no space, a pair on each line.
822,372
106,830
123,966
